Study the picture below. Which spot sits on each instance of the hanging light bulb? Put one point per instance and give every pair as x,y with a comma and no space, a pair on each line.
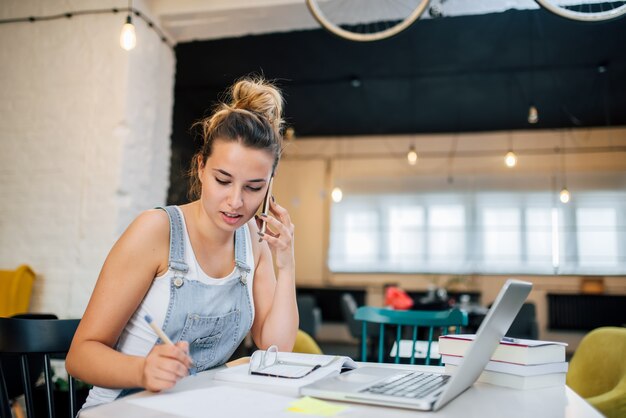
564,195
128,39
510,159
533,114
411,156
336,194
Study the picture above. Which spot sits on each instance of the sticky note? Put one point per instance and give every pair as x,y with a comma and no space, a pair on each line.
311,406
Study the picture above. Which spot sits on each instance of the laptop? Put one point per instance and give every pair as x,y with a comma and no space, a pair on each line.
406,388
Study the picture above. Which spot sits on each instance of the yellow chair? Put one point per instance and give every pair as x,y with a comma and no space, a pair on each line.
306,344
16,287
597,371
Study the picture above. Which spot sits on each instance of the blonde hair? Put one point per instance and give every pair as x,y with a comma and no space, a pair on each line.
252,117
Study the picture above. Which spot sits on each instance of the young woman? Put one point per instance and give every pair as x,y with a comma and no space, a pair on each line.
202,271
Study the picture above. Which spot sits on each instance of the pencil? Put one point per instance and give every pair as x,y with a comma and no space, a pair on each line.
165,338
158,330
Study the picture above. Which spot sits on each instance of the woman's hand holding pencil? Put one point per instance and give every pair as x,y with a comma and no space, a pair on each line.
166,363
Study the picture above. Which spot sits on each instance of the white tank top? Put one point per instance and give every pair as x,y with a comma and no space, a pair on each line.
137,338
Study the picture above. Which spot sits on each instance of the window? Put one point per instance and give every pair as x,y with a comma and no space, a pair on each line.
482,232
597,236
405,232
446,234
539,237
361,245
501,230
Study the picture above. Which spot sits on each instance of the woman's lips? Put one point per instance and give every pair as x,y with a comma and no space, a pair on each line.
230,218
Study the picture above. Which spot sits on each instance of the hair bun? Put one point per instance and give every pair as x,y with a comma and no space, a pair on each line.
259,96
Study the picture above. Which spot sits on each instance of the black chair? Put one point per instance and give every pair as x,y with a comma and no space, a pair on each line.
348,310
525,323
310,314
12,368
22,341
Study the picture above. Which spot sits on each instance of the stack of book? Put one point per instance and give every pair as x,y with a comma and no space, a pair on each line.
516,363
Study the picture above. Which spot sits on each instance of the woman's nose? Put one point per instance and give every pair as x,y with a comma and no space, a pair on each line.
235,200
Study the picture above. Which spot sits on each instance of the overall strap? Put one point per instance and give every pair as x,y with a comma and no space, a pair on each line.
176,259
241,246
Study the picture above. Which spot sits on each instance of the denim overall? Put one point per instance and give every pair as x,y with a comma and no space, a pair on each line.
214,319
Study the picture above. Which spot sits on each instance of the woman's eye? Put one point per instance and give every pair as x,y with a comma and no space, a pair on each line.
221,181
254,189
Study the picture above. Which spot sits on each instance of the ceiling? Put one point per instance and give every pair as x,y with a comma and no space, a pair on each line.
200,20
462,73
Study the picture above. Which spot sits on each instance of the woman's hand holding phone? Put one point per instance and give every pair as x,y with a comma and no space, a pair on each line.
277,231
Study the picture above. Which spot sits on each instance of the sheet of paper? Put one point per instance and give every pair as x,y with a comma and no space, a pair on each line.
220,401
421,348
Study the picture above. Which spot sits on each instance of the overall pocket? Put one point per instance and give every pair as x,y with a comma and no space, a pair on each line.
209,337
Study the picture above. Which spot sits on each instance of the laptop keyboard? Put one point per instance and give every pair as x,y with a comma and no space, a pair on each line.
409,385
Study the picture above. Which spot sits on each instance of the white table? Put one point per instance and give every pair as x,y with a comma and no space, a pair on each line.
481,400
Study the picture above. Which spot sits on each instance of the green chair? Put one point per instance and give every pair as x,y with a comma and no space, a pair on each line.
597,371
414,319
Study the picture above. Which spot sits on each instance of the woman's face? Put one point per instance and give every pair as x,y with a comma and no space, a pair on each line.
234,181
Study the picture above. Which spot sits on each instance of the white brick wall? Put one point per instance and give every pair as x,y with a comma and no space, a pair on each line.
84,142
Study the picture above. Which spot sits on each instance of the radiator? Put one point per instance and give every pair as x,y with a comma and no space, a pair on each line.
585,312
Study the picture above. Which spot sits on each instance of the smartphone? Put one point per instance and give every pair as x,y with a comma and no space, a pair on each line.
265,207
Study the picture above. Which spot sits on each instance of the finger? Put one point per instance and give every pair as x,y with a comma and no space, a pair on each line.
270,220
184,346
280,212
286,221
163,379
269,233
275,228
157,377
176,352
174,368
169,365
286,229
275,242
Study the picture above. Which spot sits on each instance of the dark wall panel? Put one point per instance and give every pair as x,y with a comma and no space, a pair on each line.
461,74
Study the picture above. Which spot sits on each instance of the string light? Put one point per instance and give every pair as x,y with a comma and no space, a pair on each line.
510,159
411,156
533,114
564,194
336,194
127,37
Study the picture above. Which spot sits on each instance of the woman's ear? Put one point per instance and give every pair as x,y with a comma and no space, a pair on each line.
201,167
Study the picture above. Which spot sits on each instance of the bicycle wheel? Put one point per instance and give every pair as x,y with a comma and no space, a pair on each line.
366,20
585,10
